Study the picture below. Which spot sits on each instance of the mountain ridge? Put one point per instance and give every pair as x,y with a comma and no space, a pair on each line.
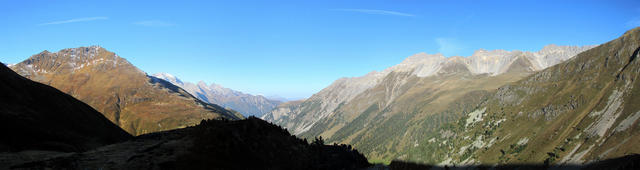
426,65
122,92
249,105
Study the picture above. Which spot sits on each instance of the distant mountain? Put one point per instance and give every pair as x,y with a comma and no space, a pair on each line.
34,116
123,93
279,98
247,104
385,114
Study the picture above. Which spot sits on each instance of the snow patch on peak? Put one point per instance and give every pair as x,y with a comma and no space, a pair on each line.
492,62
168,77
164,75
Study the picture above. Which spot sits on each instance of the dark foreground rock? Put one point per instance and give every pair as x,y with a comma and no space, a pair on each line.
213,144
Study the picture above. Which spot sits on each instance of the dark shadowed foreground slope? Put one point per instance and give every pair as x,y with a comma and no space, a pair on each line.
625,162
214,144
34,116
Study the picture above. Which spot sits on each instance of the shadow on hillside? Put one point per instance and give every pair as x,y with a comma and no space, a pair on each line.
626,162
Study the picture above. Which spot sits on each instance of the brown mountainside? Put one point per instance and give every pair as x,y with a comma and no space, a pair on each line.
123,93
35,116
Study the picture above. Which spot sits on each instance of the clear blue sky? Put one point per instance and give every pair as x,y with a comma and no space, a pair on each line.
296,48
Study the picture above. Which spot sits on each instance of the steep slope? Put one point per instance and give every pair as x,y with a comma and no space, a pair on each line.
213,144
575,112
248,105
123,93
384,114
34,116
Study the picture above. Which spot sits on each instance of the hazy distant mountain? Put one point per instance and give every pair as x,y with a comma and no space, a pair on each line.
385,113
279,98
123,93
247,104
35,116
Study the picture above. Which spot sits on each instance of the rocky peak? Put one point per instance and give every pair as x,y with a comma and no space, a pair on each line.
72,60
491,62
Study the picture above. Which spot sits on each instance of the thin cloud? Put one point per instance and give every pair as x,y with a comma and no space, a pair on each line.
449,46
153,23
377,12
74,20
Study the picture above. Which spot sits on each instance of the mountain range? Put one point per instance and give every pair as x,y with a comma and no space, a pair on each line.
44,128
123,93
248,105
560,107
385,114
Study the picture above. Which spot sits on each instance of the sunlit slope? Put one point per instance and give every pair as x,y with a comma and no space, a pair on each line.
578,111
388,114
123,93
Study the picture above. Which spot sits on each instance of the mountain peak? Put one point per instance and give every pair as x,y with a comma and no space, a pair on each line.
247,104
73,60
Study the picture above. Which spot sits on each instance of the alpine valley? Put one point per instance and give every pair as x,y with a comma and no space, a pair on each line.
562,105
360,84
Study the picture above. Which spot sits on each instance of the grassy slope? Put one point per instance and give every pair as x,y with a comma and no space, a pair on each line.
387,121
123,93
556,111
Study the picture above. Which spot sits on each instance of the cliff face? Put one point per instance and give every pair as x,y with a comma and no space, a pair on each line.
123,93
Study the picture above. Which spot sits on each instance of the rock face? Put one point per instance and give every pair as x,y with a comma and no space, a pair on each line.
123,93
34,116
411,100
248,105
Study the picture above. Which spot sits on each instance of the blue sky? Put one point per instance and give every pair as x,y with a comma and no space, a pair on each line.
295,48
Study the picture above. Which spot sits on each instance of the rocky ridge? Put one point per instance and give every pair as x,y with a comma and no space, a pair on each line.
482,62
247,104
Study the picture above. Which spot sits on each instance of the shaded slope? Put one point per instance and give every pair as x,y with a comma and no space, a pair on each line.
123,93
214,144
34,116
